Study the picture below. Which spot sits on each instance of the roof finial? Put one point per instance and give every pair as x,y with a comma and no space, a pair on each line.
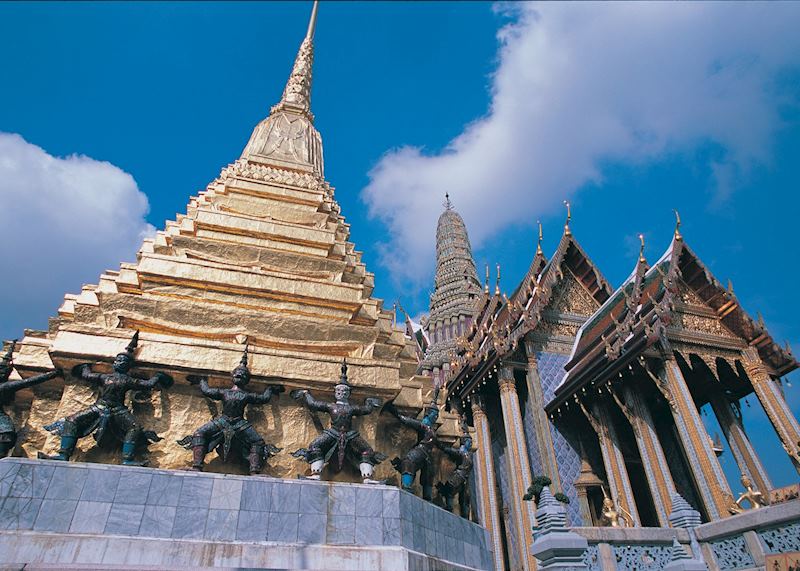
567,231
486,284
677,225
297,93
642,259
730,287
539,243
497,282
447,204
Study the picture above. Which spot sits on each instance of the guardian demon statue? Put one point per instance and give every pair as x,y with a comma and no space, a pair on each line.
231,429
340,439
8,434
109,416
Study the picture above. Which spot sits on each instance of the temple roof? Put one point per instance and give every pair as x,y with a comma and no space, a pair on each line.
502,322
642,312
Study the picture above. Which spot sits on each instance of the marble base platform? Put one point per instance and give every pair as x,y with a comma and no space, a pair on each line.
56,515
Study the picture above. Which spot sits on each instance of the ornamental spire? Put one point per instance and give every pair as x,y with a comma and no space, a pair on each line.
539,242
297,93
567,231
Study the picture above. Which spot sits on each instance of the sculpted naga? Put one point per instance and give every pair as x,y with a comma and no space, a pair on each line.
8,434
109,416
420,457
458,481
340,439
231,429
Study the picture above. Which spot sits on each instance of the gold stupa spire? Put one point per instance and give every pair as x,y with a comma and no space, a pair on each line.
567,231
297,93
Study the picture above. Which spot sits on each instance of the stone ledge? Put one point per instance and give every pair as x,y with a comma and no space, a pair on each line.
87,503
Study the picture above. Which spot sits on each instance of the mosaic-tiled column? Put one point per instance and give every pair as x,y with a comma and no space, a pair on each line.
774,404
544,439
522,511
618,481
486,482
713,488
654,461
746,458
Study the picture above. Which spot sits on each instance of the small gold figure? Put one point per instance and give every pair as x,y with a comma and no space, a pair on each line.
753,496
613,515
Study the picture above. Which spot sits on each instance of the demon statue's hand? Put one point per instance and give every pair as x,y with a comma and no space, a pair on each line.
194,379
77,370
165,380
298,394
277,389
390,408
373,402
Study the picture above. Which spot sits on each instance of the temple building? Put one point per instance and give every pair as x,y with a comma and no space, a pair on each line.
567,380
599,390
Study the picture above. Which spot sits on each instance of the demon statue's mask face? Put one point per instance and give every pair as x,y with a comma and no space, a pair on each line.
241,376
123,363
341,393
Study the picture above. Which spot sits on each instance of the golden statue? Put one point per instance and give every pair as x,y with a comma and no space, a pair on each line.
613,515
754,497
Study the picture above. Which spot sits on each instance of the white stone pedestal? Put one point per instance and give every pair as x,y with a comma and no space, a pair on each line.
56,515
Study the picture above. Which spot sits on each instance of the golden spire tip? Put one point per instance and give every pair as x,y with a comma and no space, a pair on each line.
497,282
312,22
677,225
569,217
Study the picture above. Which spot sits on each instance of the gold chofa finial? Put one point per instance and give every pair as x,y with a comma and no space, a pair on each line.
486,284
730,286
447,204
677,225
539,242
497,282
642,259
569,217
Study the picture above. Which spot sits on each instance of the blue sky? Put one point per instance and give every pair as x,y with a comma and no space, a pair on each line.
628,113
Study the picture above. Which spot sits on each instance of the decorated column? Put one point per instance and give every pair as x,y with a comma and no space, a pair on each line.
544,439
749,463
485,481
654,461
774,404
618,482
522,511
713,488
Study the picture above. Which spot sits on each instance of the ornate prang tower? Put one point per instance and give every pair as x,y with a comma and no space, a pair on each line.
456,291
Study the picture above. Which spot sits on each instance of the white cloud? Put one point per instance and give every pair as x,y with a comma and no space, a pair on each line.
62,222
579,85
